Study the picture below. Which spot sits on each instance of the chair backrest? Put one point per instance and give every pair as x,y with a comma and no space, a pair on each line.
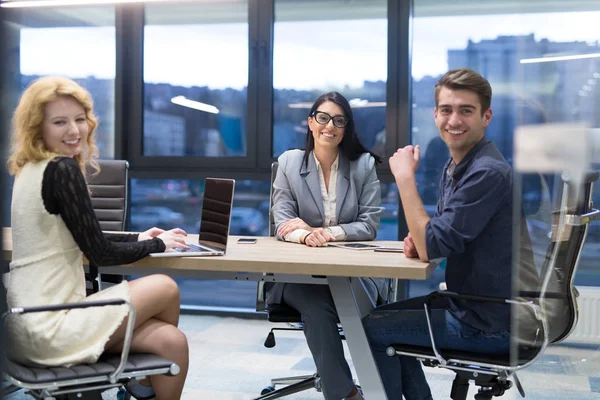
556,293
108,190
260,288
562,258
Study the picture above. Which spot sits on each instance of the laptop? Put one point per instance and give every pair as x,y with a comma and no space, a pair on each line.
214,222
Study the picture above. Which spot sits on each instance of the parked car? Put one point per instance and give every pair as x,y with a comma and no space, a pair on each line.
246,221
145,217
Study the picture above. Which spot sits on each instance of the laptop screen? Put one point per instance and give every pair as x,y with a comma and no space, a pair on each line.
216,212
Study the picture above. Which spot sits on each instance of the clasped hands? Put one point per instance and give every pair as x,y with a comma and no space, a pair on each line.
316,237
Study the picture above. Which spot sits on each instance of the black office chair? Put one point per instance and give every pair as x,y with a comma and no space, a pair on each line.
553,306
88,381
280,313
108,190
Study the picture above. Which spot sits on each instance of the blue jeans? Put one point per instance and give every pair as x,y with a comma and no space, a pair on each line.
404,322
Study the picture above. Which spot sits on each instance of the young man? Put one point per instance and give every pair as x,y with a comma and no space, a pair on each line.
471,228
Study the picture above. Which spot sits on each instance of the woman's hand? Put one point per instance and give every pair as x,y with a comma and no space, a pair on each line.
410,250
291,225
174,238
318,237
149,234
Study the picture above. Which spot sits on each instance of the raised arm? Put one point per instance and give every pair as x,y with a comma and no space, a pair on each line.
65,193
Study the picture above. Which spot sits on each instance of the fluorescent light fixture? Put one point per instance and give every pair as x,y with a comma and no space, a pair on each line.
58,3
196,105
559,58
300,105
354,103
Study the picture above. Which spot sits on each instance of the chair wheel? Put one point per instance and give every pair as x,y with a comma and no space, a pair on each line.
267,390
123,394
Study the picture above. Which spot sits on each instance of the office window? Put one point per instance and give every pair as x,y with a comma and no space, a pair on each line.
388,228
524,93
195,79
75,42
329,46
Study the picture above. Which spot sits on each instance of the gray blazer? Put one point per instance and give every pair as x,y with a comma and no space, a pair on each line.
297,194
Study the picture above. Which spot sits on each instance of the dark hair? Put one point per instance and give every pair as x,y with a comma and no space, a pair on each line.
466,79
351,145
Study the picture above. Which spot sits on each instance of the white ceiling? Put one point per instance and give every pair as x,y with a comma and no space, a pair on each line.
222,11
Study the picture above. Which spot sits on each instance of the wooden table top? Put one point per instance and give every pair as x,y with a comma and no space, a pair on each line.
271,255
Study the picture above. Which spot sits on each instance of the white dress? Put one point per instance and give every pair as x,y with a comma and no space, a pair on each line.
47,268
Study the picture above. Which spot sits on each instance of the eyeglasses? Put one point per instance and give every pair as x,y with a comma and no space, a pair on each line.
322,118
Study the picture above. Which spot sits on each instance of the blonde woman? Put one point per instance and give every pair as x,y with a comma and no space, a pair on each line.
53,224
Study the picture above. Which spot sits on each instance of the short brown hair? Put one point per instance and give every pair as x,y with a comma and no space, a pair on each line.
466,79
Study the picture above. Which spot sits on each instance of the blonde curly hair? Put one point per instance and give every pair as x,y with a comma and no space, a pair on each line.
27,143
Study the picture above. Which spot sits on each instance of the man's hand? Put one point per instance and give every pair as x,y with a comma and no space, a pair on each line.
405,161
318,237
410,250
291,225
149,234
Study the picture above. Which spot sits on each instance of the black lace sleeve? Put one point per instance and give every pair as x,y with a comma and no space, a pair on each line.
121,237
65,193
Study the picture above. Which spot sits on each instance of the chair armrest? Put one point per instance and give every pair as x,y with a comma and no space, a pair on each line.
490,299
471,297
65,306
113,377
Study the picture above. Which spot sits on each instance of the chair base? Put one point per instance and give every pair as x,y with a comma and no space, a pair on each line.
88,395
295,384
488,386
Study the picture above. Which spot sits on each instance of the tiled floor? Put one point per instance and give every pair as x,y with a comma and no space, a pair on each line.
229,362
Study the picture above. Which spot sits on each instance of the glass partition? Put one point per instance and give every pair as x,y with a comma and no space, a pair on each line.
527,89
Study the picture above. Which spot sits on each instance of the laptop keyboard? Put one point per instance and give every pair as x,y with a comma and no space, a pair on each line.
192,248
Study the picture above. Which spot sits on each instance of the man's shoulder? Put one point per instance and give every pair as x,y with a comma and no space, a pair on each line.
490,160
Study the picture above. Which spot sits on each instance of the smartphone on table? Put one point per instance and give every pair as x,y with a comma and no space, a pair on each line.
390,250
246,240
354,246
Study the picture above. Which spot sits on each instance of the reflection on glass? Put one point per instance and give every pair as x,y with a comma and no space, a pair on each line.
75,42
325,50
527,90
388,228
195,79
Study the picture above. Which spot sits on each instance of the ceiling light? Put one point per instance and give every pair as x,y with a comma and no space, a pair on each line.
354,103
559,58
58,3
196,105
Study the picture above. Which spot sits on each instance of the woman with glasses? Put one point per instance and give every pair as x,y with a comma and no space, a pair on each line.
327,192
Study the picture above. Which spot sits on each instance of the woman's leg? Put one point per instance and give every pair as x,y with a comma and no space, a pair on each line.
154,296
319,316
164,340
156,301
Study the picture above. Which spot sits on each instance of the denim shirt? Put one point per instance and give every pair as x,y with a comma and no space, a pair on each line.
472,228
